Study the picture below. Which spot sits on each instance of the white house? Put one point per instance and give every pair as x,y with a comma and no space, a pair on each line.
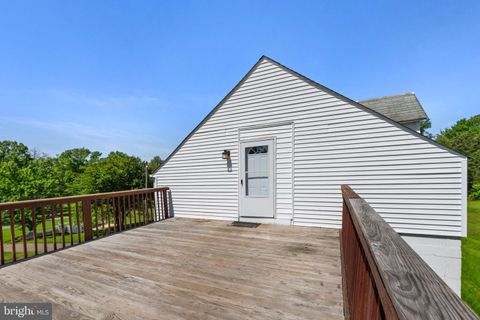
290,143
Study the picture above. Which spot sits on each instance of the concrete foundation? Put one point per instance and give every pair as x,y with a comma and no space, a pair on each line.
443,255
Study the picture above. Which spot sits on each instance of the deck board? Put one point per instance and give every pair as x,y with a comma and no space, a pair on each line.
188,269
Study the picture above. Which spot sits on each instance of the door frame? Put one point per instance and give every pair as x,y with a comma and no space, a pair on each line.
274,174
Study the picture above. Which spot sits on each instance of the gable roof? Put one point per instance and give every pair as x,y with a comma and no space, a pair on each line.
402,108
314,84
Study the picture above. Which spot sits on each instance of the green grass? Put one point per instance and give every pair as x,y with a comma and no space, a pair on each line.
7,237
7,234
471,258
59,239
58,222
9,256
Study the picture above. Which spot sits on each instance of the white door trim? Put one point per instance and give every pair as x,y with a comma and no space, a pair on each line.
273,139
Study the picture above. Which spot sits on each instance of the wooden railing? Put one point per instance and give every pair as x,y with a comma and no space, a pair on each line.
35,227
383,278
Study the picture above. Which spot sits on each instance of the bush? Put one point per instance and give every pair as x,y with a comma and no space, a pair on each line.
475,192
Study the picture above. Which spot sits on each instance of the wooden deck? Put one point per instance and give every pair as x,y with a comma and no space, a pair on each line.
188,269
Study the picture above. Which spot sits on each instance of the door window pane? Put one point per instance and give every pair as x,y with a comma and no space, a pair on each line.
256,171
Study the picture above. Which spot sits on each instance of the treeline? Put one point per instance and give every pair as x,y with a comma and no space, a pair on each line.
464,136
25,174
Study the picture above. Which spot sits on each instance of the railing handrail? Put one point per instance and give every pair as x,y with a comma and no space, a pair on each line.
58,200
406,287
86,217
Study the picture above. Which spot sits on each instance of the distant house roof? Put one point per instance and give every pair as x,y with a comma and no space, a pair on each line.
402,108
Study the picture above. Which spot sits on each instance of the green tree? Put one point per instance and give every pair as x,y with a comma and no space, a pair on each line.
118,171
14,151
23,178
464,136
28,174
71,165
424,126
153,165
14,158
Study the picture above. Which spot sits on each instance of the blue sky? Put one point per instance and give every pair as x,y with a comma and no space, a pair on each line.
137,76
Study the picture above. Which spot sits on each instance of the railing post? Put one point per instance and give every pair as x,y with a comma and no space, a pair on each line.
87,219
165,204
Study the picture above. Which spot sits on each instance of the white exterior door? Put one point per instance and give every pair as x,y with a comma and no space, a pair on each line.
256,179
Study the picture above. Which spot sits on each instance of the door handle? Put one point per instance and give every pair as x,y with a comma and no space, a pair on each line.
241,182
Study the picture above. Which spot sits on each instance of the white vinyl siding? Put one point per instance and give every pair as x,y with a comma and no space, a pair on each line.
417,186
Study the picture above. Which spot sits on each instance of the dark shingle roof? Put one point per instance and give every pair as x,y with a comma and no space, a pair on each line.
402,108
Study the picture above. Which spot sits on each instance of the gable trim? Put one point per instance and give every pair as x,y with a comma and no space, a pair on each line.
315,85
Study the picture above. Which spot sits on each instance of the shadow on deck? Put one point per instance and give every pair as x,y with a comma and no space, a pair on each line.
188,269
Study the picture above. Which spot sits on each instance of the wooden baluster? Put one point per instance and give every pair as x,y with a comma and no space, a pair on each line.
79,227
119,213
139,209
114,214
62,224
2,258
103,217
142,206
108,215
24,236
87,219
124,214
154,210
12,231
54,232
149,207
160,206
129,211
165,203
70,224
147,204
156,206
96,218
134,211
34,231
44,231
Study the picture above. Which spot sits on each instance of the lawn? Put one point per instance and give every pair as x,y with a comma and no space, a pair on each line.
8,255
471,258
7,234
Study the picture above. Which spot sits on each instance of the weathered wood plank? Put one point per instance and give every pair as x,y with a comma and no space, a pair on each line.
208,270
413,288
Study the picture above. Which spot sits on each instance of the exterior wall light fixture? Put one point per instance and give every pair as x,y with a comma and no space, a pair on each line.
226,155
